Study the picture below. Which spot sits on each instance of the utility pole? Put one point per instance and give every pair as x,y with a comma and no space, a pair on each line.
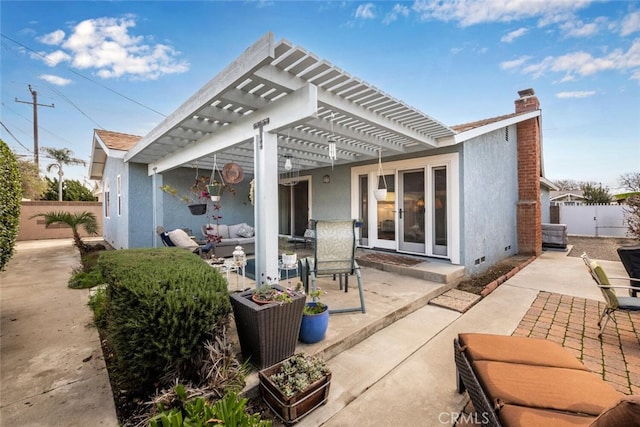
34,102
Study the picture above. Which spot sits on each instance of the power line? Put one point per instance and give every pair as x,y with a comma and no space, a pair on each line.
85,77
14,137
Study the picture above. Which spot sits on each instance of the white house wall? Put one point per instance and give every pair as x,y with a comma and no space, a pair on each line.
489,197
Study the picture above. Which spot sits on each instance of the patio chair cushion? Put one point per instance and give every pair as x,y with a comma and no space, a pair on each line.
512,415
221,230
624,413
180,238
514,349
545,387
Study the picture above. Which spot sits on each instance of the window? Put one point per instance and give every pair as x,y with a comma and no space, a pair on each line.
107,199
119,194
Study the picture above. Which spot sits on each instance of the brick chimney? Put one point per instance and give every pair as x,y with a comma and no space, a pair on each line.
529,215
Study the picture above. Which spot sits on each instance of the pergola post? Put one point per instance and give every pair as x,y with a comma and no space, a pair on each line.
266,203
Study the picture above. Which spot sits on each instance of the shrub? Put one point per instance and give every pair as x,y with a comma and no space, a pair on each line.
10,202
162,303
85,280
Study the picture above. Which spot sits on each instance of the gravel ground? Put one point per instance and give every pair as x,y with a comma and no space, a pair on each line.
603,248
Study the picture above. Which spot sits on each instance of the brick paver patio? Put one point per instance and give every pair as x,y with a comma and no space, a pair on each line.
573,322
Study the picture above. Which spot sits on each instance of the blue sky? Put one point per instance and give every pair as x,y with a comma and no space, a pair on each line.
122,65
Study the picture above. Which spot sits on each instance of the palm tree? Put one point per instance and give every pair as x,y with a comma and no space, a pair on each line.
62,156
74,220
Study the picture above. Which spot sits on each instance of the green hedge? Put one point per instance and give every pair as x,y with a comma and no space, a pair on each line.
10,203
161,303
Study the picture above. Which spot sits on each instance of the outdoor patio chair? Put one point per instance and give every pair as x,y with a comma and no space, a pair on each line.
179,238
630,257
334,255
613,302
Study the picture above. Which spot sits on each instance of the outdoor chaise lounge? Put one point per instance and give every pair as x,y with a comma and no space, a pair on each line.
520,381
181,239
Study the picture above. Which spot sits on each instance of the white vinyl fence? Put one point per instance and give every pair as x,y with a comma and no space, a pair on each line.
594,220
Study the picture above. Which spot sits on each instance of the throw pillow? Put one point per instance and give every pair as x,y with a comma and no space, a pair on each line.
181,239
246,231
221,230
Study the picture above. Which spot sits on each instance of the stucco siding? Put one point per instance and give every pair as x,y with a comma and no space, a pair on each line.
490,191
139,211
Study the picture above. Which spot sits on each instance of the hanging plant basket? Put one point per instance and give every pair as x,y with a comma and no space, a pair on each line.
380,194
199,209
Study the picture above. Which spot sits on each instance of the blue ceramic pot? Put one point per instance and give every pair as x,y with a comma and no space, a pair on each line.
314,326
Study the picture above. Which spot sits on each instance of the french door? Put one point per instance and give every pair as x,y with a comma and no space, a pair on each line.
293,208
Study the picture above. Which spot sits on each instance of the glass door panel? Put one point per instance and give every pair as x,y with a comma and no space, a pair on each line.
386,210
412,213
440,238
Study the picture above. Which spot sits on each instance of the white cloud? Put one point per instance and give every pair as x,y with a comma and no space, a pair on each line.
398,10
576,94
366,11
53,58
106,45
514,35
53,38
469,13
630,24
577,28
508,65
56,80
585,64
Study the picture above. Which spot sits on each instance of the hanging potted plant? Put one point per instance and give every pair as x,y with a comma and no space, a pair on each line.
315,320
295,387
196,198
380,193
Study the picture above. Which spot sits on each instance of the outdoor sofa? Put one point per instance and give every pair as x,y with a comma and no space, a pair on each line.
231,236
520,381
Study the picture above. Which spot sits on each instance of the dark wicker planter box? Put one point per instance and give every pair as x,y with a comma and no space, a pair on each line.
268,333
291,409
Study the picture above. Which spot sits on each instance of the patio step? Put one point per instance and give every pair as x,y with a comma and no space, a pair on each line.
433,270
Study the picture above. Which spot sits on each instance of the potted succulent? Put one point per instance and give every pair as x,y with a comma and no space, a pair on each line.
295,386
268,329
315,319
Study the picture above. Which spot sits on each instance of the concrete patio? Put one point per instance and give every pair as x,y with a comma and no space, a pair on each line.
391,366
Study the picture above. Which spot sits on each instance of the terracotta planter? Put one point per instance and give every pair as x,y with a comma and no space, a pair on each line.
292,409
268,333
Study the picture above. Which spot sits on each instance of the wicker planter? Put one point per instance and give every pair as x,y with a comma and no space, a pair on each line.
268,333
199,209
291,409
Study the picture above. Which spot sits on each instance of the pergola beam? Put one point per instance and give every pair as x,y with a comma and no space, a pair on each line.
285,112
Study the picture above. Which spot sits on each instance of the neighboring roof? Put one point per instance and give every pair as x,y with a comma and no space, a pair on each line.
117,140
108,144
468,126
309,103
569,194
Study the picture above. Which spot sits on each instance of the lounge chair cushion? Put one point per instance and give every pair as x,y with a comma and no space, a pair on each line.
626,412
181,239
514,349
546,387
512,415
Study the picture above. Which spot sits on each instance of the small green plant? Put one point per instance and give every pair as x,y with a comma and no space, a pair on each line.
268,292
197,412
98,304
86,280
316,308
299,372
